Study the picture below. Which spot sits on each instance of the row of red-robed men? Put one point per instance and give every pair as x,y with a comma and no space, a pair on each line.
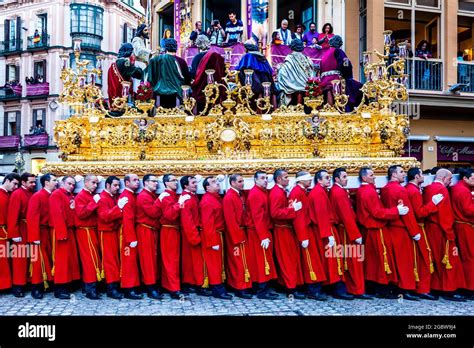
285,232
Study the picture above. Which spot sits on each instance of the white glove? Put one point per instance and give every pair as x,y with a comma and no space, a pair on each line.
297,205
417,237
265,243
437,198
133,244
402,209
72,205
96,198
163,195
17,239
37,242
122,201
215,247
359,240
331,241
183,199
305,243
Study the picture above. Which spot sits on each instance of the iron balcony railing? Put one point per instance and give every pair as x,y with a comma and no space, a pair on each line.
466,75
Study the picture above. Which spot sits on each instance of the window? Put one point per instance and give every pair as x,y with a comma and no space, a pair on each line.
128,33
12,123
12,73
92,63
466,5
39,117
406,2
428,3
362,37
39,71
86,19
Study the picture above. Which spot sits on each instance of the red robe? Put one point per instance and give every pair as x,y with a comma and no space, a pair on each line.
61,219
402,230
463,208
261,265
286,243
323,219
129,272
109,217
86,236
5,271
148,225
373,217
211,60
236,219
16,223
311,264
213,226
194,270
424,254
37,217
348,233
448,273
170,241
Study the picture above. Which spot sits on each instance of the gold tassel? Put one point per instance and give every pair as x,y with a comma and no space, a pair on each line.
247,275
102,274
54,252
417,277
244,261
339,270
346,267
205,285
431,267
223,266
385,258
428,248
31,269
267,266
446,257
45,282
312,275
43,270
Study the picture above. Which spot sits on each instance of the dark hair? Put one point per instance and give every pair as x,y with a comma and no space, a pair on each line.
147,177
46,177
166,178
337,173
215,22
206,182
310,24
330,28
363,172
109,181
391,170
466,173
257,173
412,172
434,170
234,177
24,177
278,173
65,177
420,45
10,177
232,12
184,181
298,26
319,175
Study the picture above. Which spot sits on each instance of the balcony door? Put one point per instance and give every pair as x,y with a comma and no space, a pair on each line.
218,9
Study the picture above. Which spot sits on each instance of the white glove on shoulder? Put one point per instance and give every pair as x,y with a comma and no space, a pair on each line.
297,205
265,243
133,244
96,198
359,240
183,199
436,199
17,239
305,243
417,237
215,247
402,209
122,201
331,241
163,195
37,242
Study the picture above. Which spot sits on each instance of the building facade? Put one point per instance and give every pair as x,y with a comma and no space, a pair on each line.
33,36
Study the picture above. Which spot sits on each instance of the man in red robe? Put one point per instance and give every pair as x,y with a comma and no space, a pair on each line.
404,232
16,224
170,238
283,213
194,268
323,218
463,208
212,236
349,234
86,236
261,265
148,226
311,264
373,217
236,219
128,240
424,255
448,273
37,218
109,217
61,219
10,183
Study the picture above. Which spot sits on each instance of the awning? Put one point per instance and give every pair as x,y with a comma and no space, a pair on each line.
441,138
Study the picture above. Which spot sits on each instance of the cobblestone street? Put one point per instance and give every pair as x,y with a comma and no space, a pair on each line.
197,305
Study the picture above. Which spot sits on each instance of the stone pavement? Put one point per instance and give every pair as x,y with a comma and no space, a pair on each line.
197,305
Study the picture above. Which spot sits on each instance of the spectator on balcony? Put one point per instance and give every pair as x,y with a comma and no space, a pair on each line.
286,35
462,68
423,50
234,29
423,70
310,38
39,79
276,39
299,33
195,33
326,34
36,38
215,33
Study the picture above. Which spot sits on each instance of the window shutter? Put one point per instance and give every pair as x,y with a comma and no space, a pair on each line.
5,124
18,123
44,71
17,73
125,38
7,33
18,33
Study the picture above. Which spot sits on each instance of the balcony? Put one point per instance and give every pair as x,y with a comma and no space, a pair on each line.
89,41
37,89
11,46
466,75
38,43
9,142
35,141
426,75
10,92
